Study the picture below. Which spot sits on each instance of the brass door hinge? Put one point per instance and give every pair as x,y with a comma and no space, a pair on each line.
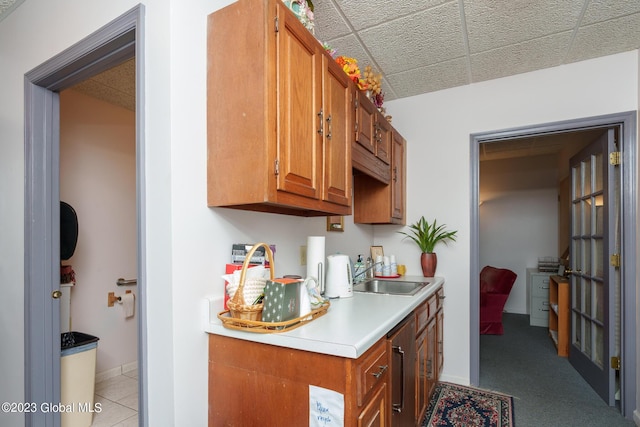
614,158
277,22
616,363
277,167
615,260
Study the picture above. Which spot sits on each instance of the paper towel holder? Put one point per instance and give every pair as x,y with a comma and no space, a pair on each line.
112,298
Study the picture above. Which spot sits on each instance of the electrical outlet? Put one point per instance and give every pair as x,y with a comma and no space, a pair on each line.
303,255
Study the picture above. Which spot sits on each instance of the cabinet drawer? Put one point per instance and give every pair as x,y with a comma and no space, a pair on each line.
434,303
371,370
540,286
422,316
439,298
539,312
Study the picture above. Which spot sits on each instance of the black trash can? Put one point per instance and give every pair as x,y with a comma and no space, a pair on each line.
77,378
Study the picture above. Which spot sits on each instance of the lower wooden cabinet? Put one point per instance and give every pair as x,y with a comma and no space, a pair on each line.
375,413
254,384
429,350
259,384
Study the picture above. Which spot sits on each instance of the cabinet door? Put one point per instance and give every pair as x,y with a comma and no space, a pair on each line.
398,178
431,357
383,138
440,344
300,115
402,353
365,122
337,134
375,413
421,374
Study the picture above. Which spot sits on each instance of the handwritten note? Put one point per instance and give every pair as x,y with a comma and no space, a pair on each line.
326,407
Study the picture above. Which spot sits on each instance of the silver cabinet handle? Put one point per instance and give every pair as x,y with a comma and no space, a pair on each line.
320,128
398,407
378,374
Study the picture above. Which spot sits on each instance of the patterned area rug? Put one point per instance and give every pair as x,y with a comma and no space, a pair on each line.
456,405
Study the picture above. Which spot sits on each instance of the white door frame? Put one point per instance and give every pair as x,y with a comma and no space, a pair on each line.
626,122
117,41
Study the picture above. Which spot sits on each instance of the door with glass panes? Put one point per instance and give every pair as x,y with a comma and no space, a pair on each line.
595,281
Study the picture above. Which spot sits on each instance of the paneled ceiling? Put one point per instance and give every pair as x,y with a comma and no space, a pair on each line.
429,45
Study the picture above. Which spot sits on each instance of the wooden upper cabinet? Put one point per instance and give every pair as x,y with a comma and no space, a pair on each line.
383,132
376,202
338,123
398,179
276,114
365,122
299,76
372,143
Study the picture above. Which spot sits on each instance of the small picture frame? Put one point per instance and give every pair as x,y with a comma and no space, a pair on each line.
376,251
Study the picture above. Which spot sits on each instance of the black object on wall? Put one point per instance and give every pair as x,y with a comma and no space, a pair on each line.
68,231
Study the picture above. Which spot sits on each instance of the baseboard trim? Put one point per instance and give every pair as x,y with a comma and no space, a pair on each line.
455,379
118,370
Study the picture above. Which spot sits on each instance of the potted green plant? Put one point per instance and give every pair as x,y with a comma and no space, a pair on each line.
426,236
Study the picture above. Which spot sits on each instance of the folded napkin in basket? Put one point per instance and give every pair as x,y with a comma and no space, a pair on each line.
252,288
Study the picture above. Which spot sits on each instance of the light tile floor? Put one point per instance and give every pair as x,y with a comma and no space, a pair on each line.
118,397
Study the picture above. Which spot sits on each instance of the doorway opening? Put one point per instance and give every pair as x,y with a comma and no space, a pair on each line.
111,45
625,123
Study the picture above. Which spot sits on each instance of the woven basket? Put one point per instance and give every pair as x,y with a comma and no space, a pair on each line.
238,307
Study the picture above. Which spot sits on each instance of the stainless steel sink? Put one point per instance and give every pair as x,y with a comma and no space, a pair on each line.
390,287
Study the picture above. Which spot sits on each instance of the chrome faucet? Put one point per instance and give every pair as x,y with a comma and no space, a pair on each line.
358,278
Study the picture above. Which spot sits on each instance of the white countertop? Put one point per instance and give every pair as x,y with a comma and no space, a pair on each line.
348,329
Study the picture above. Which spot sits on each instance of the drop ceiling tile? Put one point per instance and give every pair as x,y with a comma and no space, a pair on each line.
602,10
351,46
497,23
373,12
8,6
606,38
440,76
422,39
329,22
520,58
388,90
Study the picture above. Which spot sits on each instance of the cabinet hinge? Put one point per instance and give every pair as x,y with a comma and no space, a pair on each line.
616,363
277,167
277,23
615,260
355,103
614,158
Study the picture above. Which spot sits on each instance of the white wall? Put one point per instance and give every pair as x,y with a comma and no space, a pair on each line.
518,217
438,126
97,178
515,229
36,31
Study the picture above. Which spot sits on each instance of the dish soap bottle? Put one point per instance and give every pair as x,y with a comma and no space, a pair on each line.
359,270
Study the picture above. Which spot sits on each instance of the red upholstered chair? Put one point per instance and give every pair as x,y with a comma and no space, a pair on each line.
495,286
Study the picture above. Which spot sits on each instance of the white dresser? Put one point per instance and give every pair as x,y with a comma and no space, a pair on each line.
538,297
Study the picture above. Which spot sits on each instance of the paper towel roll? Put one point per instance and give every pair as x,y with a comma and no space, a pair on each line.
128,302
316,259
